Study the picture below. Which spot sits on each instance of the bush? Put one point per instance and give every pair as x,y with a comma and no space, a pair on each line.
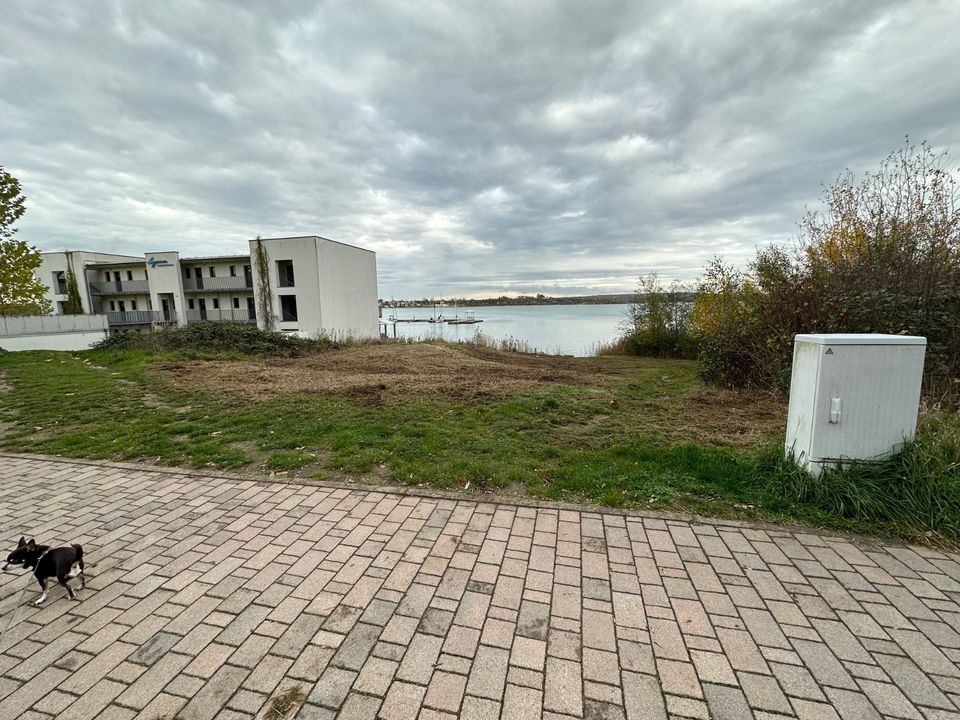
917,490
883,257
657,322
218,337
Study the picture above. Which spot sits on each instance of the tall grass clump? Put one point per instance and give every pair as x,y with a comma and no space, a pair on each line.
220,337
507,344
915,492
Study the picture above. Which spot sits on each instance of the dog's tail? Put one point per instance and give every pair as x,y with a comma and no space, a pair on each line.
79,551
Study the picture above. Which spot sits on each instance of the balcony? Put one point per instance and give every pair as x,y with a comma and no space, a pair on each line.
121,287
223,315
137,317
204,284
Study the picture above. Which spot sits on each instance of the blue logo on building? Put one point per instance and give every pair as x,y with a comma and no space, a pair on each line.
153,262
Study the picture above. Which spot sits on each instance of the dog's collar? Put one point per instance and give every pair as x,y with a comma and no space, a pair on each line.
45,553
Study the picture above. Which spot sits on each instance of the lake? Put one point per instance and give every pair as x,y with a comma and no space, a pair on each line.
554,329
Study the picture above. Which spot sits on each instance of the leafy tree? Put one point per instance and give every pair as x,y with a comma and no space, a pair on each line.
657,321
21,293
883,255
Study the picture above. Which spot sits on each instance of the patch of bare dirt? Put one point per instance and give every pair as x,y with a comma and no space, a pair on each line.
738,418
374,374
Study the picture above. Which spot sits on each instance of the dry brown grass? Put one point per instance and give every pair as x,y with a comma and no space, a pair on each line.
375,374
717,416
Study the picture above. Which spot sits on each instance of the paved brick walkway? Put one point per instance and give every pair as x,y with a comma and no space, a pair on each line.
210,597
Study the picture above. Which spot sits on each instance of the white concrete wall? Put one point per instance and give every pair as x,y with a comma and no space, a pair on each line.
166,278
52,262
348,290
302,251
335,286
52,332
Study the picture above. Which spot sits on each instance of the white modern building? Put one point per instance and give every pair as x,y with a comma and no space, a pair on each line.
305,285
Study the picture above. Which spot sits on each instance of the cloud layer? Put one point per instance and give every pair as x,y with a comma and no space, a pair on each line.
478,147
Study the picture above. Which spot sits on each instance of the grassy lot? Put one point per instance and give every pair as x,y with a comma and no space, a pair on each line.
619,431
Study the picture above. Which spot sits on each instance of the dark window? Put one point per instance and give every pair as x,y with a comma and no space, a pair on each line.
213,272
129,274
133,304
288,308
122,306
190,303
112,305
116,276
60,282
285,273
233,271
236,303
216,303
186,272
107,274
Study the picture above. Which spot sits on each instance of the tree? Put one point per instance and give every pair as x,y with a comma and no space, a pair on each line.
882,256
21,293
657,321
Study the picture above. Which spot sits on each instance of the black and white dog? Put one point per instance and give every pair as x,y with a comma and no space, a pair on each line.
63,563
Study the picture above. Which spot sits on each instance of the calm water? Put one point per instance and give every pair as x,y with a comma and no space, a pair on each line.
555,329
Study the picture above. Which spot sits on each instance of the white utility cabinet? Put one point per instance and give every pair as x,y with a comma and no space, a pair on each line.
852,396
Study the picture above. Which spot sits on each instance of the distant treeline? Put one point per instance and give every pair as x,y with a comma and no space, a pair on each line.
539,299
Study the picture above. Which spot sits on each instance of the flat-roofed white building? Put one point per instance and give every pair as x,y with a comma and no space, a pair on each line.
306,285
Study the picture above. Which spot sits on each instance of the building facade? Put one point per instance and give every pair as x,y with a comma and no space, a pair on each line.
304,285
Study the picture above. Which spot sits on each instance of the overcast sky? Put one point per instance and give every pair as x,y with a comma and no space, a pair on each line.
478,147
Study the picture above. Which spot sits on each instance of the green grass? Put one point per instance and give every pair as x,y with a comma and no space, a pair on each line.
596,444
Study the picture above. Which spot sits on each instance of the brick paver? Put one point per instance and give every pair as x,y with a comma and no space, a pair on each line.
210,597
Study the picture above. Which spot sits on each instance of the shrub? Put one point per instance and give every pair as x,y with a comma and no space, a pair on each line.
658,321
883,257
222,337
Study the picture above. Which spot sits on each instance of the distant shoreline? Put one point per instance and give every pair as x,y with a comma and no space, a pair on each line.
507,301
617,299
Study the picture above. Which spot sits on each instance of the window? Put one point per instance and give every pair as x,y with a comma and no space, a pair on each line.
236,303
216,303
285,273
122,306
213,272
233,271
60,282
186,272
190,303
129,274
116,276
107,275
133,304
288,308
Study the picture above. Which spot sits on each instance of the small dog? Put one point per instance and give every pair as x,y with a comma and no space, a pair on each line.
63,563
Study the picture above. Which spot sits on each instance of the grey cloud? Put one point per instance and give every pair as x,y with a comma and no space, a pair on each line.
478,147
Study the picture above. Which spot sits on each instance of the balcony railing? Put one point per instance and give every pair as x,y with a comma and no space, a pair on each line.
121,287
237,315
138,317
217,283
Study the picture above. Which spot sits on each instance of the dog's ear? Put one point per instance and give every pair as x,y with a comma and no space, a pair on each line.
31,543
22,541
